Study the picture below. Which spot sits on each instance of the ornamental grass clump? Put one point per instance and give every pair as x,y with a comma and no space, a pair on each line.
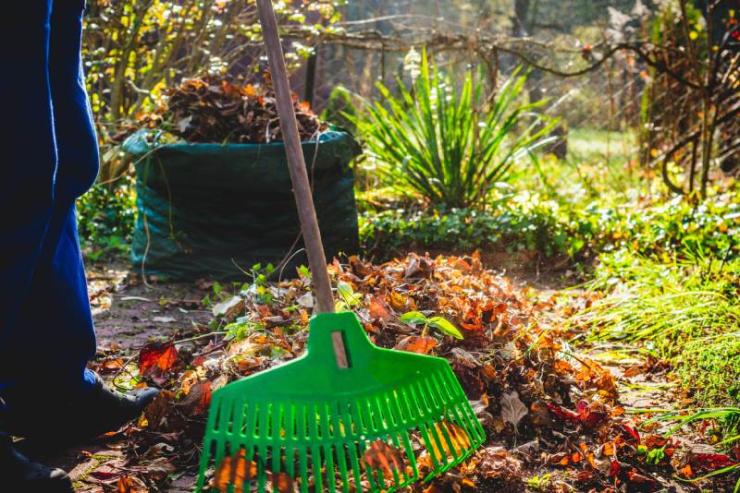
451,143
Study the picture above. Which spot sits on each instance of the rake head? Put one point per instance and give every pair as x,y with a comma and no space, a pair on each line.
385,421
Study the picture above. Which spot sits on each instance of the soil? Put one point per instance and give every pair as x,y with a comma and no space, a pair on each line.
128,315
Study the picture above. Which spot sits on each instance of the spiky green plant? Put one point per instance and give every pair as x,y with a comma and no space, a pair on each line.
447,141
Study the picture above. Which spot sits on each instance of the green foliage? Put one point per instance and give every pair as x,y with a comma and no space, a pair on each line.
513,227
671,231
711,366
260,275
106,219
449,143
340,109
679,228
240,329
439,323
685,311
348,299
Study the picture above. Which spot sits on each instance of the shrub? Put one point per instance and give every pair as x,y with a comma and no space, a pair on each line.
674,231
447,143
106,218
521,221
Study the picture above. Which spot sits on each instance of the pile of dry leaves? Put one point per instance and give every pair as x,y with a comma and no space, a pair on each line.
214,109
552,417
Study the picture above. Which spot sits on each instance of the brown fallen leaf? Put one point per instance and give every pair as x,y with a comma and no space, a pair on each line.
379,310
129,484
198,399
495,463
417,344
283,482
111,365
459,441
512,408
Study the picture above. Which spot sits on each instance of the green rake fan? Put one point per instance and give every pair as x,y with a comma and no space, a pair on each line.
347,416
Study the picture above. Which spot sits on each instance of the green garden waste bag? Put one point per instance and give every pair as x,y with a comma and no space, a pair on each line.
215,210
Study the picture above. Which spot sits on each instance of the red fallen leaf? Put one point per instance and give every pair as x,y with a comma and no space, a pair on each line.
635,477
711,462
584,416
632,433
162,356
585,476
588,417
105,475
614,468
562,413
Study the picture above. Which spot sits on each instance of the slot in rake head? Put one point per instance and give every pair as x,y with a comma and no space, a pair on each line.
311,426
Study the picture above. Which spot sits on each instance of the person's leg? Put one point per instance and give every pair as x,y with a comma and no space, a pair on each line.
27,181
54,338
48,320
19,474
66,320
28,169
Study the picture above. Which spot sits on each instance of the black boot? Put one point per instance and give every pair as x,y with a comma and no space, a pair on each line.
21,475
67,419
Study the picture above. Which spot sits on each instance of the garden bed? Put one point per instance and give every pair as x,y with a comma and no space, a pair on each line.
556,418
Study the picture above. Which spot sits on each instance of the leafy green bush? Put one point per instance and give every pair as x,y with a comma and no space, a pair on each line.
679,228
674,231
105,217
520,221
448,143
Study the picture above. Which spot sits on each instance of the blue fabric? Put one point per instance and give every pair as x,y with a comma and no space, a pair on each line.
49,158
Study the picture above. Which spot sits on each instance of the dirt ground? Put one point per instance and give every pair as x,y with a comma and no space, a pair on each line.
128,315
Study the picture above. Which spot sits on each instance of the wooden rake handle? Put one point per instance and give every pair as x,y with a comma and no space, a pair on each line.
296,163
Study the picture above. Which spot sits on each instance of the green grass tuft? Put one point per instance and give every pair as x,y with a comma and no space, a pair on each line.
683,311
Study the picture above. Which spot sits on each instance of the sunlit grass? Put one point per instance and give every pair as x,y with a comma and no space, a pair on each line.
686,312
588,144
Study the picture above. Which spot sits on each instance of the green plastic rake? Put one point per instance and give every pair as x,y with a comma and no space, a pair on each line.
347,416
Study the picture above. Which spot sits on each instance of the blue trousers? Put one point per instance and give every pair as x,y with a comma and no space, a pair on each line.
48,158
